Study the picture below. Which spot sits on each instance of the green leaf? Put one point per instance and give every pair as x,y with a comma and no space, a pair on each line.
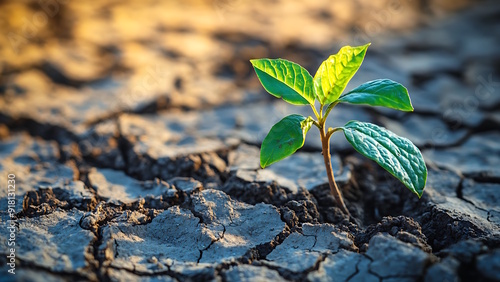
284,138
380,92
336,71
285,79
395,154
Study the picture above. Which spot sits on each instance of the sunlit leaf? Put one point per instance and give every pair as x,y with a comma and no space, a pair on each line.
395,154
286,80
380,92
336,71
284,138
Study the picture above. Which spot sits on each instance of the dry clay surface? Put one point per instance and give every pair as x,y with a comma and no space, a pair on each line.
136,148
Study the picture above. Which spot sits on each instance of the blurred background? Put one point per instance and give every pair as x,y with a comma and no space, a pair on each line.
67,66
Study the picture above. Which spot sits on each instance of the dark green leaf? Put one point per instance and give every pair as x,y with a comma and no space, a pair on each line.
285,79
336,71
380,92
395,154
284,138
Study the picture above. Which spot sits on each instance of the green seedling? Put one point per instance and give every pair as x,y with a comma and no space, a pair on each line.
292,83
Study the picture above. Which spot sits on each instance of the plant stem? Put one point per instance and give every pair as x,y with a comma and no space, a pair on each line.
331,131
325,142
317,124
315,112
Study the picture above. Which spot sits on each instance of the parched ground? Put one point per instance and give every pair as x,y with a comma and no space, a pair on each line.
133,130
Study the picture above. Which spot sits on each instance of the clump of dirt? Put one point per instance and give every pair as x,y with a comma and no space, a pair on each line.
305,210
443,230
46,200
259,192
43,201
404,228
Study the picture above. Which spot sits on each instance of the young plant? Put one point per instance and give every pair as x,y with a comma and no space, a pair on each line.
291,82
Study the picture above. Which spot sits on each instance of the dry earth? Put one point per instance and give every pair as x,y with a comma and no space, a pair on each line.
133,129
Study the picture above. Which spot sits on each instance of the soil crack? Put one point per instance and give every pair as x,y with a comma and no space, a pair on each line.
211,243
